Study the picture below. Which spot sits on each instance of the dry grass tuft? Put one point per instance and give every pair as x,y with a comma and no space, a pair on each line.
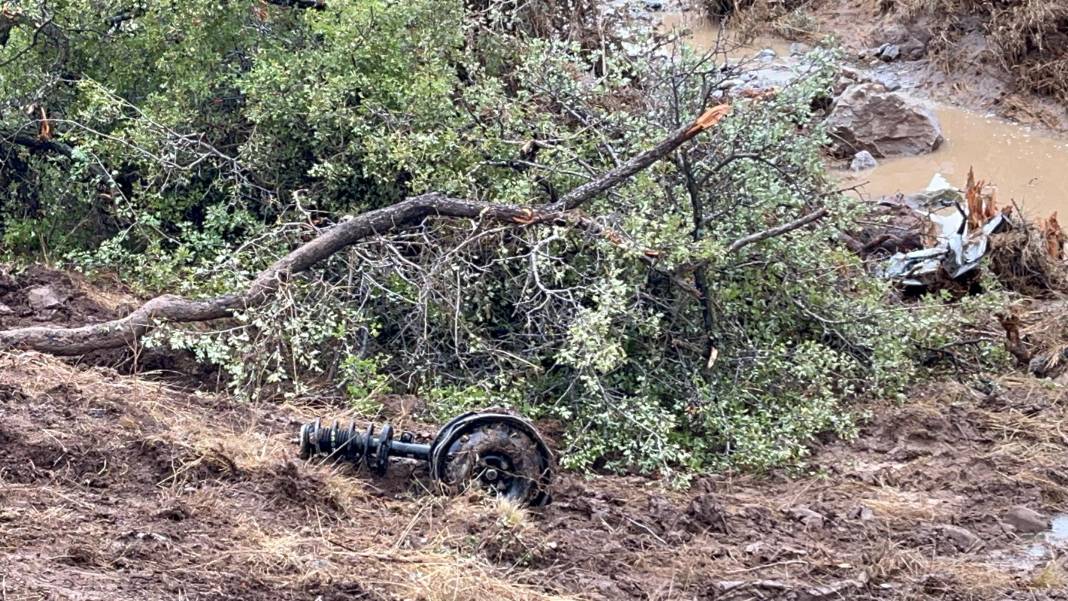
789,19
973,579
1029,38
895,504
450,577
1021,261
1051,577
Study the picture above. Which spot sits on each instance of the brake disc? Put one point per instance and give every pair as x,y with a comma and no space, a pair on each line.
499,452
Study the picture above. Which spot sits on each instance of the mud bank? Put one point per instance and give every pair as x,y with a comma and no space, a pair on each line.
113,487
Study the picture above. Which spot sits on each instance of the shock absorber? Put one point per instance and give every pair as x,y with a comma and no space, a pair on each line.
497,451
367,448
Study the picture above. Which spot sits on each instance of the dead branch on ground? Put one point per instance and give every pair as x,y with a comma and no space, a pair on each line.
409,212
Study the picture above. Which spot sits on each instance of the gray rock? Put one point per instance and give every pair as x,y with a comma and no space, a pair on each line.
797,49
962,538
767,55
889,53
654,4
1027,520
806,516
914,50
6,310
836,590
862,513
887,80
43,298
862,161
869,117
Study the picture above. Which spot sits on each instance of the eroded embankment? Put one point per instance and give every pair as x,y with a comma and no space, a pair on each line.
116,487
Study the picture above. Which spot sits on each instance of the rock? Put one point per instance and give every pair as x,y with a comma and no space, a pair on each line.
1027,520
654,4
836,590
914,49
798,49
806,516
868,117
862,161
889,53
841,85
767,55
888,81
43,298
6,310
962,538
862,513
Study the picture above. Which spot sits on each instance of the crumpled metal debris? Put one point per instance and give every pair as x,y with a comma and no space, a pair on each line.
959,247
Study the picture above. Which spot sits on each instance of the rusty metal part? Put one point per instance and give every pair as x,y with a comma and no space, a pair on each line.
499,452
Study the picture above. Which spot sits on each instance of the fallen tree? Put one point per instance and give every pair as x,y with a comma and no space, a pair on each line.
175,309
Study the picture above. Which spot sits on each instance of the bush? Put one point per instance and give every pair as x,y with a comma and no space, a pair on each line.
660,348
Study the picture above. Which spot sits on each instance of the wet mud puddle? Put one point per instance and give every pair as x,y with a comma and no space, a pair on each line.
1053,542
1026,166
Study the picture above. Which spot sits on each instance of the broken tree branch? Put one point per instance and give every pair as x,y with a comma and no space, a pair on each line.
778,230
640,161
312,4
51,145
168,308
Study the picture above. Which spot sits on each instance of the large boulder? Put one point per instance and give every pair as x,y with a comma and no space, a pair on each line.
866,116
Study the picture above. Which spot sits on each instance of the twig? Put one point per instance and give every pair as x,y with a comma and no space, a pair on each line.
768,565
778,230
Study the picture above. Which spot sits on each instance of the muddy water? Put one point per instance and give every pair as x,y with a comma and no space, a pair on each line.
1026,166
704,34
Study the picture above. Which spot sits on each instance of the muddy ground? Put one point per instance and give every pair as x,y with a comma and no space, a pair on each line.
962,68
117,486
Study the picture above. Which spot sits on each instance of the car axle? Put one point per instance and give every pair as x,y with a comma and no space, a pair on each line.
497,451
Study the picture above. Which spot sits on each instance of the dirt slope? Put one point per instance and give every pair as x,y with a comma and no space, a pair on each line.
112,487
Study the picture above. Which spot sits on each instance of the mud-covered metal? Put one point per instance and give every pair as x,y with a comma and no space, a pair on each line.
501,453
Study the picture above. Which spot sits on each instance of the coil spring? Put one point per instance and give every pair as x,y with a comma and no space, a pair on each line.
337,442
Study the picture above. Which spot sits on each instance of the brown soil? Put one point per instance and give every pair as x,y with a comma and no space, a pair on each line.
83,302
964,65
115,487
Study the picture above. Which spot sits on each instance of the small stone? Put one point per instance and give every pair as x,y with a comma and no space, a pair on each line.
5,310
797,49
767,55
43,298
806,516
889,53
862,513
962,538
1027,520
863,161
654,4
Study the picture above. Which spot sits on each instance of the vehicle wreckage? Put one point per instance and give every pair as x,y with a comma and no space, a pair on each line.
939,239
499,452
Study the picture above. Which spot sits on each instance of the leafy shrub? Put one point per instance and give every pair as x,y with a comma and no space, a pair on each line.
667,347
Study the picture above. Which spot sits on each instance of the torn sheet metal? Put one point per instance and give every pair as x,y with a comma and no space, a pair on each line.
956,252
